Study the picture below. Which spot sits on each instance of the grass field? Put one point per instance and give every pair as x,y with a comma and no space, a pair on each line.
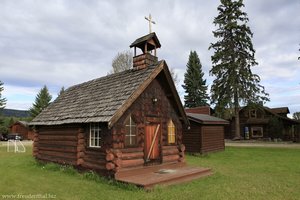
239,173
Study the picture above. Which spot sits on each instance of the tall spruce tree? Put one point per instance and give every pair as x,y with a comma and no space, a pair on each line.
42,100
2,100
232,60
194,85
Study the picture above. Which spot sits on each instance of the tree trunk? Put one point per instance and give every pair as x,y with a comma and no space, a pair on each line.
237,135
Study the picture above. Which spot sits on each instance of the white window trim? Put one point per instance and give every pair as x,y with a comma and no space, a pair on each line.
96,128
131,125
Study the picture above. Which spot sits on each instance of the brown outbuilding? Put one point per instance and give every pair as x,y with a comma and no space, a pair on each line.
205,134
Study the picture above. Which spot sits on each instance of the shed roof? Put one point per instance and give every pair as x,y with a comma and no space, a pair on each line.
206,119
280,110
101,100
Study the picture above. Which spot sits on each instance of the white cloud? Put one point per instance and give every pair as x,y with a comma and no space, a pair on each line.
65,42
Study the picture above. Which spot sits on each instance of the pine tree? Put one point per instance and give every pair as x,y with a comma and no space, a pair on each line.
2,100
42,100
232,61
194,84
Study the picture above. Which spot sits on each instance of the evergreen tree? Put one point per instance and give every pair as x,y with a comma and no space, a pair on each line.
194,85
232,61
42,100
2,100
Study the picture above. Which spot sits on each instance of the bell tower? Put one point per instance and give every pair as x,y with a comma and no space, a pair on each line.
148,45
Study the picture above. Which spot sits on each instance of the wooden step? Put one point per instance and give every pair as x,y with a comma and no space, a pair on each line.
167,175
134,171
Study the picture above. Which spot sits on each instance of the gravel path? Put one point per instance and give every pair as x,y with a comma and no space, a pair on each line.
262,144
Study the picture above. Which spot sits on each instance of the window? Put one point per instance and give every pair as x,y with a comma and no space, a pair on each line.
257,131
95,135
171,132
252,113
130,132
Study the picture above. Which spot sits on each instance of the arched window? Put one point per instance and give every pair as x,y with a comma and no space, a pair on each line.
171,132
130,132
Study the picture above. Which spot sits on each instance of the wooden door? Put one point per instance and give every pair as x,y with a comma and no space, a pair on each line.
152,138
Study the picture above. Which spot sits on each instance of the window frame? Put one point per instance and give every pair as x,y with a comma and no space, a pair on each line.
253,113
93,128
171,132
257,128
132,137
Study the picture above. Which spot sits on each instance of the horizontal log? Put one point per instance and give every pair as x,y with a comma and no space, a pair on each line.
95,152
58,132
69,150
170,158
117,153
117,162
169,147
110,166
132,155
170,151
132,163
57,159
93,166
65,143
95,161
58,137
58,154
109,157
129,150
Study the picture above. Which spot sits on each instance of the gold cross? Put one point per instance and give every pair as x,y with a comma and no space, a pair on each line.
150,21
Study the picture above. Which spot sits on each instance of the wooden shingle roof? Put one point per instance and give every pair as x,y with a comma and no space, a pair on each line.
102,100
206,119
96,100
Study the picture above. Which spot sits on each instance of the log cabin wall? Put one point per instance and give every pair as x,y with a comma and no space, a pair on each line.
56,144
93,158
144,111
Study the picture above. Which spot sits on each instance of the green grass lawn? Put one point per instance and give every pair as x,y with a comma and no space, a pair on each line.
239,173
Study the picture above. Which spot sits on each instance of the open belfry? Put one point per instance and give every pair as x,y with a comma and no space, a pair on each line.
126,125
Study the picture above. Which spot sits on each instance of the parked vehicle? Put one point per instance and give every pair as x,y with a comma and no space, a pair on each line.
3,137
14,136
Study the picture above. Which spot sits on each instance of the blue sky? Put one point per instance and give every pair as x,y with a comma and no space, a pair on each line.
63,42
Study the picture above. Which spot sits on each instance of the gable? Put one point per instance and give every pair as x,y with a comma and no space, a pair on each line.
104,99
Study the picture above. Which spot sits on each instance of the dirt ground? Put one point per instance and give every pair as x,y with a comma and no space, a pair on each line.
253,143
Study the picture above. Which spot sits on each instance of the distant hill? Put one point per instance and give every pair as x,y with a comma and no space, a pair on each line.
15,113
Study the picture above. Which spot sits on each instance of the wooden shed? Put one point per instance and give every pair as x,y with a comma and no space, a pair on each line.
22,128
205,134
118,122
